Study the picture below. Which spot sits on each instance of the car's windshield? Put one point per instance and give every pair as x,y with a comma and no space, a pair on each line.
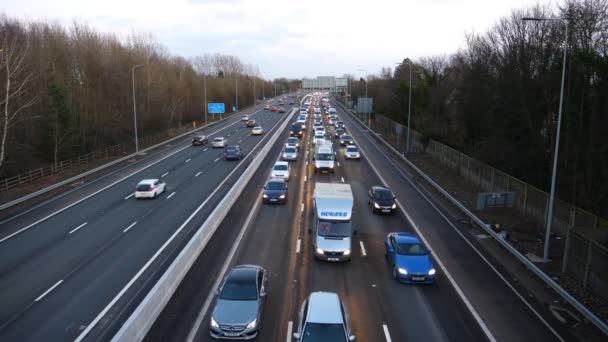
239,290
292,140
231,149
346,137
384,194
280,167
317,332
325,156
290,150
275,186
218,139
411,249
333,229
351,149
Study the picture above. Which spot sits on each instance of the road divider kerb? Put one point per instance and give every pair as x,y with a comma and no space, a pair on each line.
142,319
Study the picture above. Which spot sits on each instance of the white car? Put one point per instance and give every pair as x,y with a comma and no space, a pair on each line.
281,169
352,152
245,118
318,139
320,130
290,153
257,130
293,141
219,142
149,188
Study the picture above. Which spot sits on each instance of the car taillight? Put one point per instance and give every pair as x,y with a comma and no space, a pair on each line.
151,188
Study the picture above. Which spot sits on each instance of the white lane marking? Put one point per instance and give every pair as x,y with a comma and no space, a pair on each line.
305,178
189,159
205,150
459,291
75,229
298,246
171,195
131,195
164,174
289,331
363,253
228,135
49,290
129,227
302,207
342,178
215,161
198,174
338,164
307,163
387,335
237,242
116,298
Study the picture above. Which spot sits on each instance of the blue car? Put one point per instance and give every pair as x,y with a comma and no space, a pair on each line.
233,152
275,191
410,261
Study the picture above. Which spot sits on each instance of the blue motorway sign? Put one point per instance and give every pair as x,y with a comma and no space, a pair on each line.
215,108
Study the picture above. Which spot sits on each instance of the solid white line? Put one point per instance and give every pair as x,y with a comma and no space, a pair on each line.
342,178
129,227
363,253
289,331
198,174
49,290
131,195
189,159
171,195
387,335
164,174
75,229
298,246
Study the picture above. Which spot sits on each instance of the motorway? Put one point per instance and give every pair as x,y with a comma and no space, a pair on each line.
472,300
63,262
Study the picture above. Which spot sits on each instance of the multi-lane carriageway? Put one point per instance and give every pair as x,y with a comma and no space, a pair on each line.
59,268
471,301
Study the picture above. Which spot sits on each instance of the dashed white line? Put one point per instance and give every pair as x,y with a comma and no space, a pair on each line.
289,331
338,164
215,161
342,178
307,163
298,246
75,229
363,253
198,174
305,178
131,195
129,227
302,207
189,159
49,290
171,195
164,174
387,335
205,149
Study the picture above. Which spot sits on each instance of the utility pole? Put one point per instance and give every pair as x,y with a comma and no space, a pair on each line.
205,92
135,106
236,86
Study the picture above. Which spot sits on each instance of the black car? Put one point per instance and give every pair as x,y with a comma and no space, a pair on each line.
340,124
200,140
296,130
275,191
382,200
232,152
339,132
346,140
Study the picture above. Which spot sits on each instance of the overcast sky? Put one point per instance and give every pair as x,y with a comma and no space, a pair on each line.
286,38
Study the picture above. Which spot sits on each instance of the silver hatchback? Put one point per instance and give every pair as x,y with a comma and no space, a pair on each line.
323,317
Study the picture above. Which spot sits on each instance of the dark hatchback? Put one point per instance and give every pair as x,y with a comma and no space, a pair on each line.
296,130
275,191
233,152
200,140
382,200
346,140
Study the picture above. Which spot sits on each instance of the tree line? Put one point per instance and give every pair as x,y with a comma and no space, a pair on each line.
498,98
66,91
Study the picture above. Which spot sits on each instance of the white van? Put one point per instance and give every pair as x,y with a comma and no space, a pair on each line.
324,158
331,227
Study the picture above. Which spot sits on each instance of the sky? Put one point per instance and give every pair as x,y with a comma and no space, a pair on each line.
286,38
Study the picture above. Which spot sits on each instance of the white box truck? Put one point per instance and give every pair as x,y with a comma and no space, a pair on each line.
324,158
331,227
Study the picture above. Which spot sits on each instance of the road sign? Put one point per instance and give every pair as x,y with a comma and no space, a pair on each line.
215,108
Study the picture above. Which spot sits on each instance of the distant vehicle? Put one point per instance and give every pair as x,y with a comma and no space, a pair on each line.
303,110
273,109
257,130
281,169
245,118
296,130
219,142
318,139
317,110
346,140
281,110
324,158
340,124
333,121
352,152
295,141
331,227
291,103
266,107
281,102
290,154
200,139
233,152
239,304
320,130
275,191
251,123
409,259
381,200
317,124
323,317
339,132
149,188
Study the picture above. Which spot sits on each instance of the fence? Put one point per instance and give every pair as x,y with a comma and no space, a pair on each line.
585,255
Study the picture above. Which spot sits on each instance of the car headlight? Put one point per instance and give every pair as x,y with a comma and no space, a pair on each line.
432,271
341,141
282,196
402,270
347,252
214,323
320,251
265,196
376,205
394,205
331,166
252,324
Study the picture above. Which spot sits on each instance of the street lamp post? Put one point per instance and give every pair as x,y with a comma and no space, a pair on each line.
366,82
254,90
559,124
205,95
236,86
409,106
135,106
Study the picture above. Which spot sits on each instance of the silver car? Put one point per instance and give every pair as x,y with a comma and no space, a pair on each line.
323,317
239,303
290,153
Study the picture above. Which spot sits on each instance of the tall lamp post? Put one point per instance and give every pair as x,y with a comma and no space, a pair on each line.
135,106
366,82
559,124
205,95
236,86
409,105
